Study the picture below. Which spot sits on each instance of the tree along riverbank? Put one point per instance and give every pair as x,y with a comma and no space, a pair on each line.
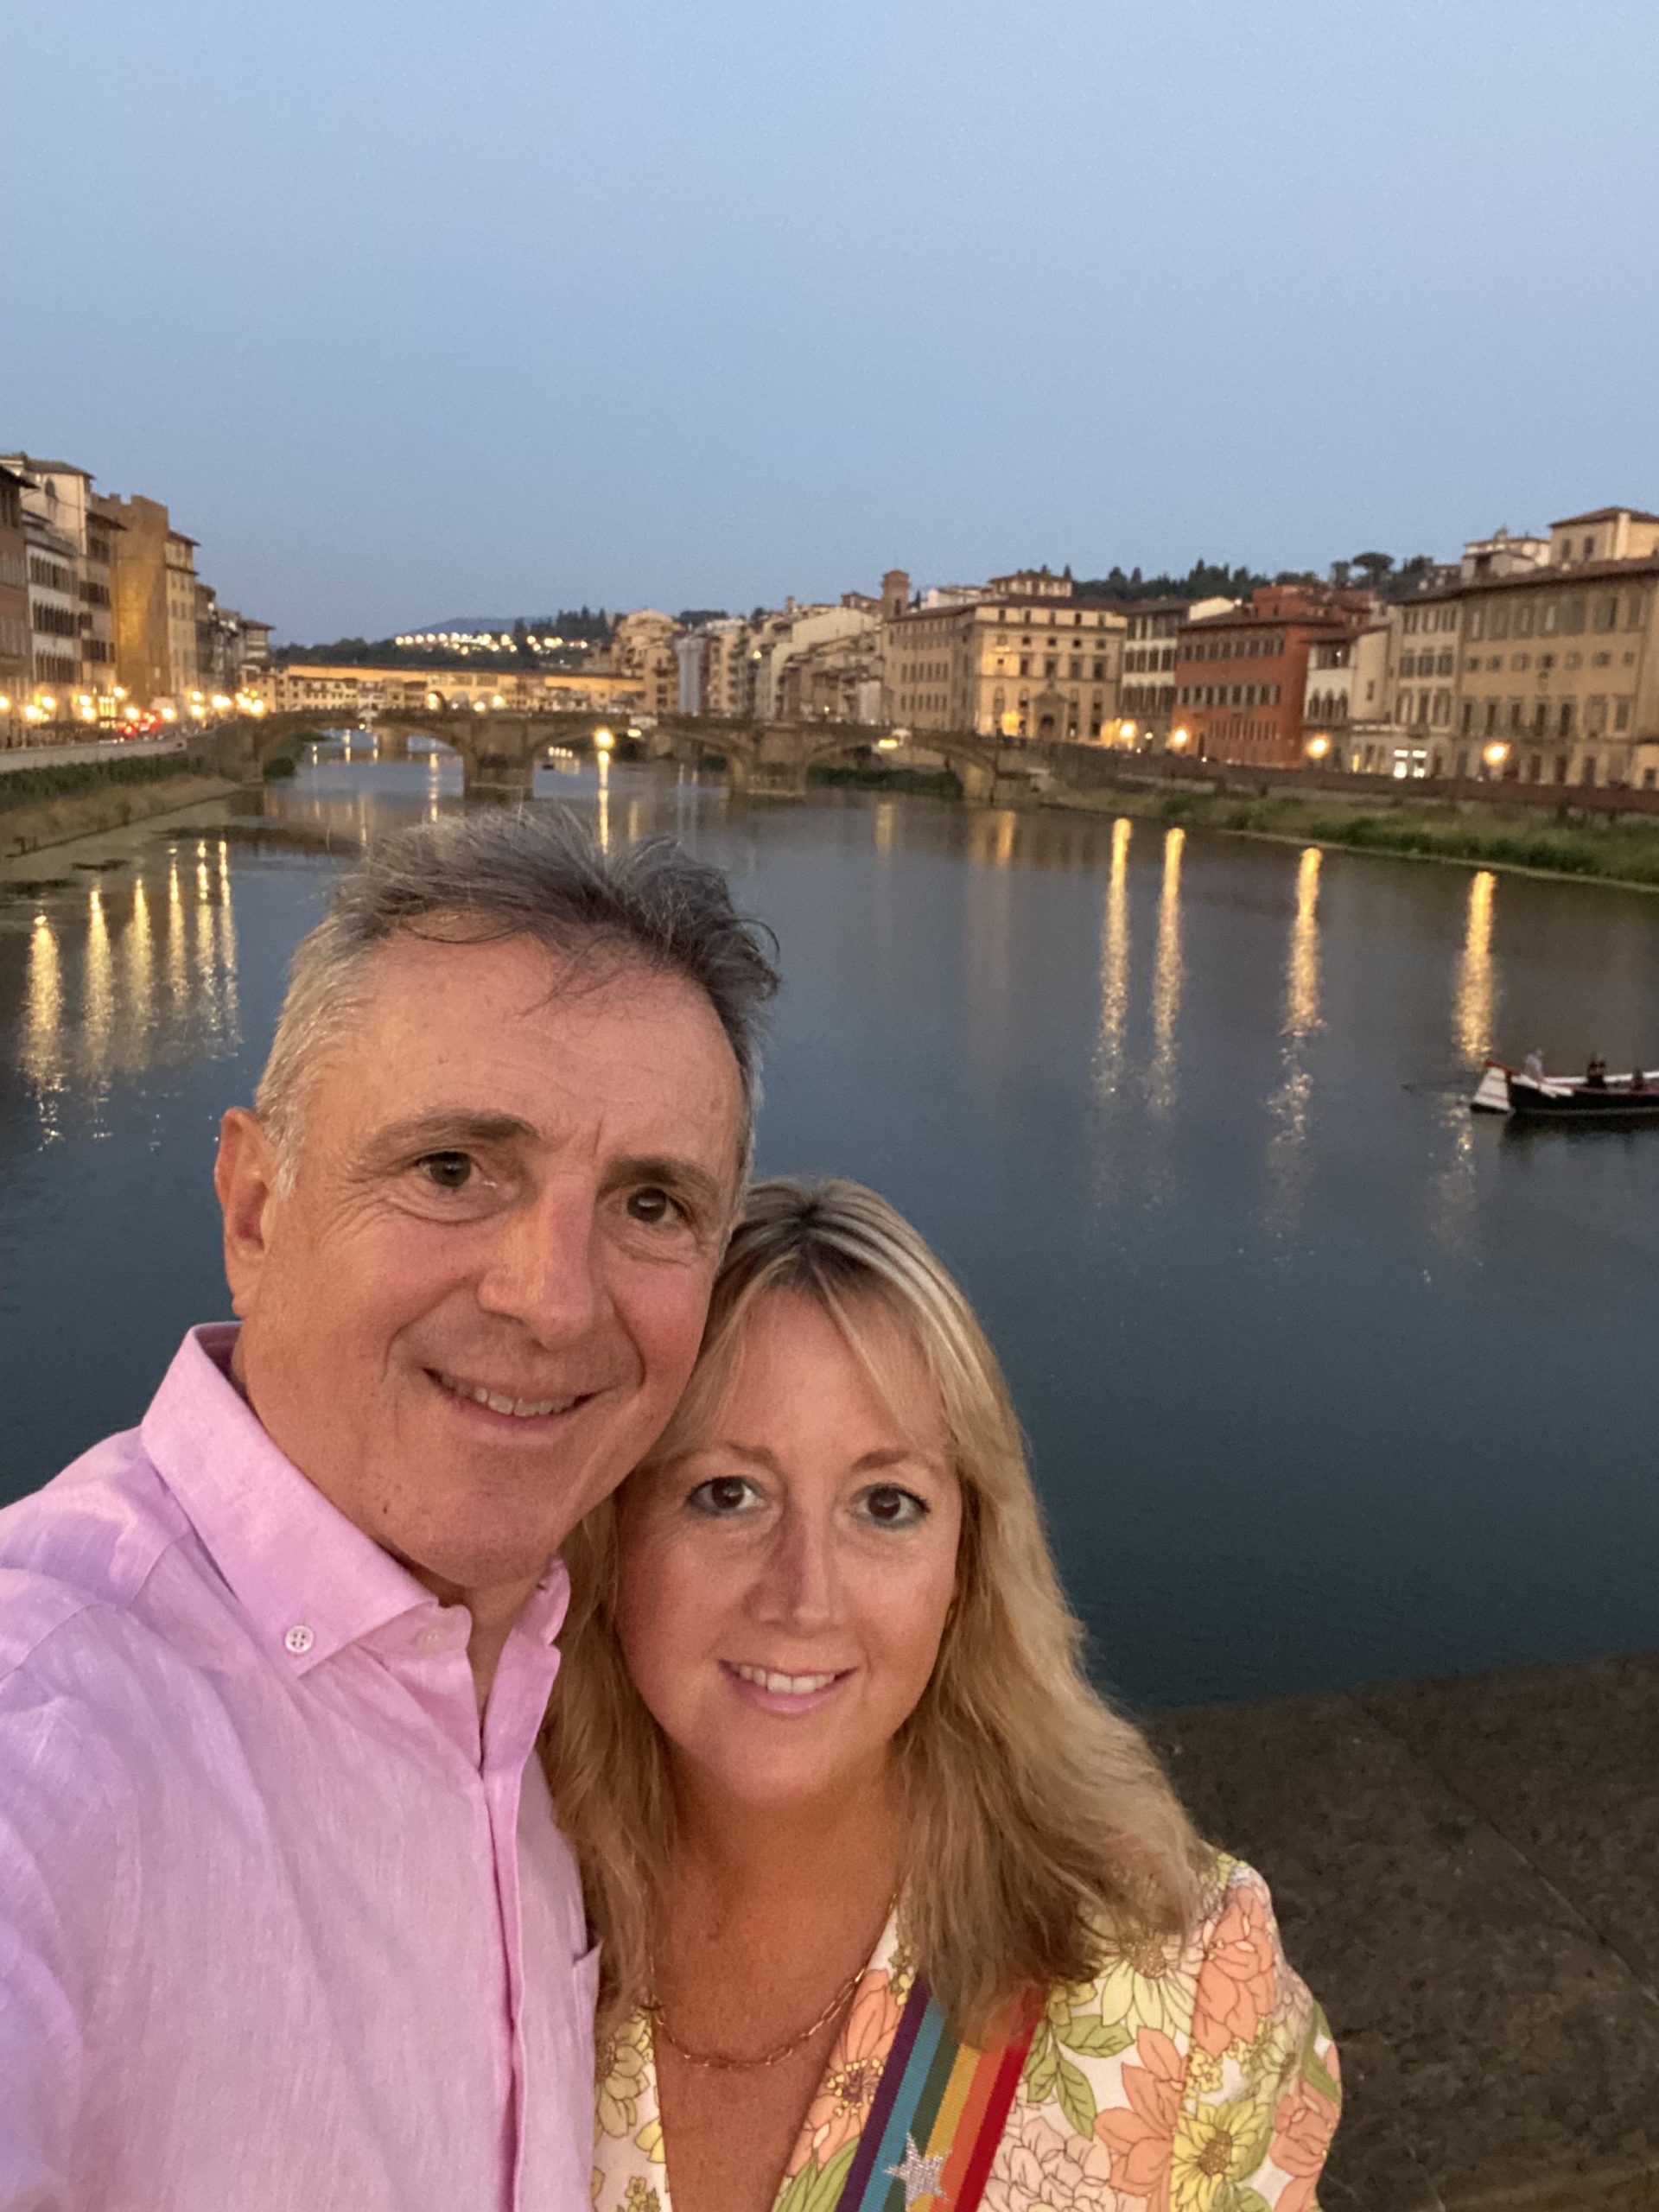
56,805
1614,851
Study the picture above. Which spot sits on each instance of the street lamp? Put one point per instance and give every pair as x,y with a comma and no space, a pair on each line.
1179,739
1496,753
1317,747
603,740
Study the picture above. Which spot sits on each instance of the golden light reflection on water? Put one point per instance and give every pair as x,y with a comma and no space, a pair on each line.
42,1054
1288,1108
886,818
1454,1192
97,993
1114,961
128,982
1167,977
1474,998
604,802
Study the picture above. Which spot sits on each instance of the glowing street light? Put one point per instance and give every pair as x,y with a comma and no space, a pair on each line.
1496,753
1317,747
604,740
1179,739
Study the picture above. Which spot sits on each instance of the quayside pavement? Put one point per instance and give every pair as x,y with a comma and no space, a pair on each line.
1467,1872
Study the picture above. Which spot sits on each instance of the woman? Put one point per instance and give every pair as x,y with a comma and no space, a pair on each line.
893,1910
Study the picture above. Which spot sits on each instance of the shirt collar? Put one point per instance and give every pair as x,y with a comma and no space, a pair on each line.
308,1578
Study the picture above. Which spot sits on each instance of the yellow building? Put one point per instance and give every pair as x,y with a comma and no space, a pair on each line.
1037,663
1560,675
183,656
139,588
642,649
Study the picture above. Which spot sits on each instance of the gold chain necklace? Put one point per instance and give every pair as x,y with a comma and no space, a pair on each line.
723,2061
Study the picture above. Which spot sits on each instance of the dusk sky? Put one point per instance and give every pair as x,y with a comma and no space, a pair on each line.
418,311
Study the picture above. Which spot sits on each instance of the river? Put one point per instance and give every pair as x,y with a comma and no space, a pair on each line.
1327,1381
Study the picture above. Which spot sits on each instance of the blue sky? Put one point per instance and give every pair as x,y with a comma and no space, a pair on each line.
417,310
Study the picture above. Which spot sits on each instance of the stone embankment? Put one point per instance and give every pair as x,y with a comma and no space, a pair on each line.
1465,1872
54,805
1598,836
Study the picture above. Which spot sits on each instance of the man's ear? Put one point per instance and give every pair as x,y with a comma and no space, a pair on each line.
245,1176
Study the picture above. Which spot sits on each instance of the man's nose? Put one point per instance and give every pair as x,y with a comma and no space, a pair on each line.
546,1266
798,1588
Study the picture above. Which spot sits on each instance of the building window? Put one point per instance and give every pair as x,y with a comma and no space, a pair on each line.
1478,622
1621,713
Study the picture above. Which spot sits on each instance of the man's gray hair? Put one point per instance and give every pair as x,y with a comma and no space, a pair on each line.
481,877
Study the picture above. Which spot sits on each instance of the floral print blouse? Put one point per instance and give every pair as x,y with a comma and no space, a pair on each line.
1195,2076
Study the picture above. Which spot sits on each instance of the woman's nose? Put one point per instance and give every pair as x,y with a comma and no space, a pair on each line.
798,1586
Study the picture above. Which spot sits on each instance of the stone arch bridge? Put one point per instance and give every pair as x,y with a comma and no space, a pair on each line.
499,750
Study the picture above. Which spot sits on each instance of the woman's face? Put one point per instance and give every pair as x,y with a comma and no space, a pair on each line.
783,1587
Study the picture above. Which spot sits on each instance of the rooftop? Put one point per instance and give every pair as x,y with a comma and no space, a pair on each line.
1604,514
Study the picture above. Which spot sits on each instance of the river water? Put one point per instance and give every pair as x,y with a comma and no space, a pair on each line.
1327,1381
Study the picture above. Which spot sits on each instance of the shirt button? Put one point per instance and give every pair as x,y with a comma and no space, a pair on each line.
434,1639
299,1640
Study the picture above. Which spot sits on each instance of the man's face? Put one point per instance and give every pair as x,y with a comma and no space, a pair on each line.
477,1304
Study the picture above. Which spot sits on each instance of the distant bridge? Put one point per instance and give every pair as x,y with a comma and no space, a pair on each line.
499,750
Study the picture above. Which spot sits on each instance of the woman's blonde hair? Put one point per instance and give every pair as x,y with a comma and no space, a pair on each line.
1039,1831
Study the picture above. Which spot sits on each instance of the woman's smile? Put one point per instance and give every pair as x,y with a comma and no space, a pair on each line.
766,1689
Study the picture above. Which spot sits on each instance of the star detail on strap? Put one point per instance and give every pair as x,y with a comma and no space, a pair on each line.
920,2175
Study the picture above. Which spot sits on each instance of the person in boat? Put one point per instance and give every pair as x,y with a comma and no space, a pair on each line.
1639,1080
1532,1065
1595,1075
883,1891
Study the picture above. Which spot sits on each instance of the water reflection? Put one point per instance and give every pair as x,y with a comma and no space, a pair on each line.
1167,976
1454,1191
1115,961
42,1024
1287,1109
1475,996
126,981
604,802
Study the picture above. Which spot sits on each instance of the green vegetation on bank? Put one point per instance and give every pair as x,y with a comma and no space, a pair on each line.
68,779
926,783
1616,847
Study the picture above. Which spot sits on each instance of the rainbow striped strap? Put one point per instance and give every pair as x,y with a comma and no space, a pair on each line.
937,2116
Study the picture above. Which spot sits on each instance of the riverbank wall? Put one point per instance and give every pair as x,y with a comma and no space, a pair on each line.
54,804
1602,835
1464,1872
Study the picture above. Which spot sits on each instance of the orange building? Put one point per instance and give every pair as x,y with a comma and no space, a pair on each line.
1241,676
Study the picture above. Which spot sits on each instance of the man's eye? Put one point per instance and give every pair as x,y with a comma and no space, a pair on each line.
721,1497
651,1204
447,1171
890,1507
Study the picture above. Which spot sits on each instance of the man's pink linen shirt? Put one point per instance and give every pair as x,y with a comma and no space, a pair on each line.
282,1928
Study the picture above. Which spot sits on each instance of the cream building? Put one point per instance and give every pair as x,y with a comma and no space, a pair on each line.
1560,675
1424,674
1147,699
1038,664
183,658
642,649
1345,706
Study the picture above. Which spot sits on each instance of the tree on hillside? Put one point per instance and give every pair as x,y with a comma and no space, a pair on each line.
1374,567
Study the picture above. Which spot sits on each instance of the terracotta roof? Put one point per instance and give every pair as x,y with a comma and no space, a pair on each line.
1646,564
1605,514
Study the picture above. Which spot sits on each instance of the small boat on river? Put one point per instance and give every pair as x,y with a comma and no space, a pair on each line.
1615,1099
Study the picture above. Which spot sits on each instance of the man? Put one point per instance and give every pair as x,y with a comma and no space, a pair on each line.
285,1921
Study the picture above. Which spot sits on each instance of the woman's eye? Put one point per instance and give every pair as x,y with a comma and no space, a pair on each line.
889,1507
721,1497
447,1171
